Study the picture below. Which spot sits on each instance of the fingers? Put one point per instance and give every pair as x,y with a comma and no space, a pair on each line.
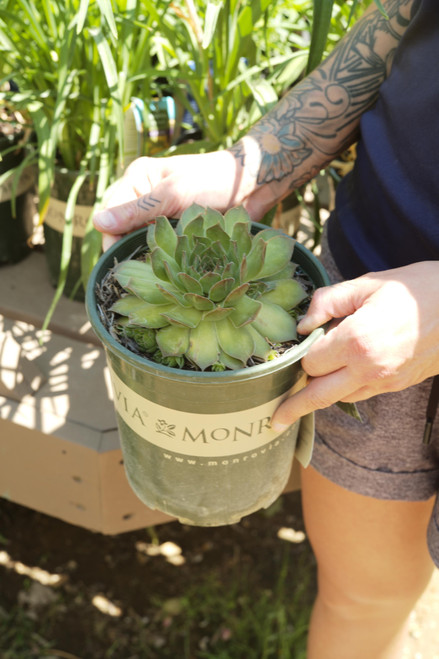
326,355
336,301
108,240
129,202
128,216
318,394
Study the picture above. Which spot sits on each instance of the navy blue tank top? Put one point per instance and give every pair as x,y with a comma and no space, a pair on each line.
387,208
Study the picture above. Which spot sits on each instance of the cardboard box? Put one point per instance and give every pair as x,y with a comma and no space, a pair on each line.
59,444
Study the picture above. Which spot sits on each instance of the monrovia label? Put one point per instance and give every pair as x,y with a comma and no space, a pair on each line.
55,217
191,434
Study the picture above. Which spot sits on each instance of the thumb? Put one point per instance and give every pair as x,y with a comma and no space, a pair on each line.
131,215
336,301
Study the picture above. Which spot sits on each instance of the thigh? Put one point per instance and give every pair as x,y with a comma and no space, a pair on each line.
367,550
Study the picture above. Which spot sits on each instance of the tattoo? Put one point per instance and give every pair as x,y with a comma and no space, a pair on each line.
239,154
319,117
147,202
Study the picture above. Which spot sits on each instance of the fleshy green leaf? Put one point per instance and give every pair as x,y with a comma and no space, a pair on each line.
147,291
139,278
268,233
194,228
172,271
252,264
182,251
188,216
235,215
230,270
151,315
275,324
127,305
230,362
245,311
165,236
158,258
262,348
285,273
243,239
217,314
216,233
203,346
190,284
221,289
150,238
278,253
184,316
172,295
132,269
173,340
237,343
216,251
199,302
287,293
208,280
234,296
212,217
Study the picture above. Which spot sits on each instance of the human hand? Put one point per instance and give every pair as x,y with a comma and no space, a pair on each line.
384,337
166,186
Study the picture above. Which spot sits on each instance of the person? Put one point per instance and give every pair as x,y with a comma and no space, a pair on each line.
369,494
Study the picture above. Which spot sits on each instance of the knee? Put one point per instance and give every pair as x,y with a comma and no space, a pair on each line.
355,598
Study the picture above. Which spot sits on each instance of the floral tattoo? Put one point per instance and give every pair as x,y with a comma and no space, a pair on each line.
319,117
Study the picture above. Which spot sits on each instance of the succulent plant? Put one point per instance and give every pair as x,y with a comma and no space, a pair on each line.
210,291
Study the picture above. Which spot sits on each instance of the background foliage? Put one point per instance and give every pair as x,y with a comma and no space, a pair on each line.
78,63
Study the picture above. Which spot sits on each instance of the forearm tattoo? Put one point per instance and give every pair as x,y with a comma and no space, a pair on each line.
319,118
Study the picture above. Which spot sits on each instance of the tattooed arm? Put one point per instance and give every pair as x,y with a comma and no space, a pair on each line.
313,123
320,117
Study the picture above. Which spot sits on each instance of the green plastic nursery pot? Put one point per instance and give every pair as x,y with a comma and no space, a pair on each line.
198,445
15,229
54,230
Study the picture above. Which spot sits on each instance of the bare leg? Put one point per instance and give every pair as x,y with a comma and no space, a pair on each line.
373,564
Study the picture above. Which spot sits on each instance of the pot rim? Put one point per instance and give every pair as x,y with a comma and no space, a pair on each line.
291,356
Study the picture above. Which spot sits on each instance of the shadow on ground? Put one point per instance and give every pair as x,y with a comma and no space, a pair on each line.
241,591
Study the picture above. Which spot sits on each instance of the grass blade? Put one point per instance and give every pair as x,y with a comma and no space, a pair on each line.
322,14
107,12
81,15
67,242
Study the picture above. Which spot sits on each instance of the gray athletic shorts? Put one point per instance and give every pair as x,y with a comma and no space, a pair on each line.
383,456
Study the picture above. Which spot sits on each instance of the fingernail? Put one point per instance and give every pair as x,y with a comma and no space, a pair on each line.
109,240
106,220
278,427
302,323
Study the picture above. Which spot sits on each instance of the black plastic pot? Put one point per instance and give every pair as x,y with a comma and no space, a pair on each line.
15,229
198,445
54,230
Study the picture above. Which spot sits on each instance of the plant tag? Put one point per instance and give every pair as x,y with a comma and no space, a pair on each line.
27,180
55,218
305,440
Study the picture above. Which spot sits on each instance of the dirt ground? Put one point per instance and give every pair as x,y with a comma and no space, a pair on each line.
82,595
68,593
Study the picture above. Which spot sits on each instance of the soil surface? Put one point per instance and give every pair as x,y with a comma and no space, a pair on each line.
92,596
66,592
